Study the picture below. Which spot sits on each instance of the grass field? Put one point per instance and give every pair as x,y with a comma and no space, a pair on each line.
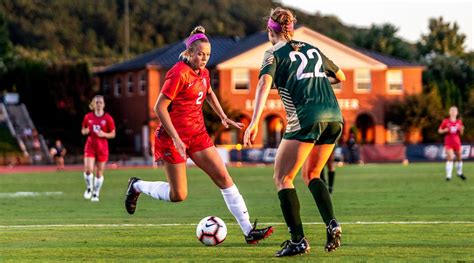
388,212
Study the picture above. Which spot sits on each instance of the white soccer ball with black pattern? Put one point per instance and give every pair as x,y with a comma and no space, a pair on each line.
211,231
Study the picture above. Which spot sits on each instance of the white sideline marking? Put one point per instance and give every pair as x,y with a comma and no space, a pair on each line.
28,194
232,224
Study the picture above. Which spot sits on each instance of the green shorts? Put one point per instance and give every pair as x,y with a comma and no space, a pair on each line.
319,133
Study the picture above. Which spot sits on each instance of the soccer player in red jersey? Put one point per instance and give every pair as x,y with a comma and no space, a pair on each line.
453,128
183,134
99,126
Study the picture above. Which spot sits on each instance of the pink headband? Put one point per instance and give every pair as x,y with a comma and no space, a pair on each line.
193,38
277,27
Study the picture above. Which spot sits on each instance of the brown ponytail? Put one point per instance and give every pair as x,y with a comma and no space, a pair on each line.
286,20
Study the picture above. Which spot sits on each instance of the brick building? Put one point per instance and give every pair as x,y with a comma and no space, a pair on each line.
131,88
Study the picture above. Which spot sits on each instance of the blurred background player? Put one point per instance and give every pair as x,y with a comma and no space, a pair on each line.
182,133
300,72
58,151
331,168
453,128
99,126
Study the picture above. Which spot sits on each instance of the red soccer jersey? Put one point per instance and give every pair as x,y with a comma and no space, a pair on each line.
187,90
95,124
452,137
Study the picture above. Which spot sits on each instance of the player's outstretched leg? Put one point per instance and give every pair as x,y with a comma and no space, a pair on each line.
131,196
290,248
334,232
256,235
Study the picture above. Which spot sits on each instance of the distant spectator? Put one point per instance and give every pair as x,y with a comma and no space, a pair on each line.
353,148
58,151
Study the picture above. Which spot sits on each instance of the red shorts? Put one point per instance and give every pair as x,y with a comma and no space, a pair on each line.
101,154
166,151
456,147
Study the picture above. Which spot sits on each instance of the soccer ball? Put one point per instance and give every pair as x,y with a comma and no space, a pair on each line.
211,231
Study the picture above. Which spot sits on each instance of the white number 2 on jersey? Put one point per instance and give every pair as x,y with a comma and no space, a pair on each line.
200,96
304,61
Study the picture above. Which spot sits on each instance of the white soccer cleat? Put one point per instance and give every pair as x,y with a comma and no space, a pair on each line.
95,198
88,194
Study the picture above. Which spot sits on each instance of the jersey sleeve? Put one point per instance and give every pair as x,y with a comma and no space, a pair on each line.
329,66
174,82
268,65
443,124
85,122
110,123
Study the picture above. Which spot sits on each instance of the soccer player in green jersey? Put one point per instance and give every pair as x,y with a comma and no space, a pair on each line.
303,77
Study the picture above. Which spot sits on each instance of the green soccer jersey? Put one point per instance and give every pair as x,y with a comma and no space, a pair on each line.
300,77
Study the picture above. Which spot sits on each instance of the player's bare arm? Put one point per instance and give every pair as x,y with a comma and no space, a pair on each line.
161,110
107,135
216,106
85,131
263,89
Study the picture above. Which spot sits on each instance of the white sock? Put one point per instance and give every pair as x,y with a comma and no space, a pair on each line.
459,168
98,184
88,178
449,169
158,190
236,205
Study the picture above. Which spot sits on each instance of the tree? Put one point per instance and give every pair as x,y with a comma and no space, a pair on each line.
383,39
443,39
5,45
423,111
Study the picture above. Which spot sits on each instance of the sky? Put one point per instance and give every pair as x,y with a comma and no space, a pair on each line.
409,16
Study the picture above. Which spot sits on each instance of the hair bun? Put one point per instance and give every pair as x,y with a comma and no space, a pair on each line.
197,30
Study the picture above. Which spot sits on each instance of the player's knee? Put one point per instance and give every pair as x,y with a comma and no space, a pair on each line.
179,196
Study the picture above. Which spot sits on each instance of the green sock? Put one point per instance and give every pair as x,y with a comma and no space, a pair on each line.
331,177
322,198
290,206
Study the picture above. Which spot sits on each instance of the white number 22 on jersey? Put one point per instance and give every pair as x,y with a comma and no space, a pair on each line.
304,61
199,99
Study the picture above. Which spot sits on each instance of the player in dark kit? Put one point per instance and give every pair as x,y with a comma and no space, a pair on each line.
183,134
58,151
453,128
99,126
303,77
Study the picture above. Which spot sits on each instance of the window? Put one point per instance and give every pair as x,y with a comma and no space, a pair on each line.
118,87
241,79
142,84
130,85
394,133
105,86
363,80
395,80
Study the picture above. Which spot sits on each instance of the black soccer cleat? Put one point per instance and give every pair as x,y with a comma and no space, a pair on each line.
334,232
462,176
256,235
131,196
290,248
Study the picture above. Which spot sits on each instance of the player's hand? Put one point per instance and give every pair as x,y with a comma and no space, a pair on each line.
85,130
180,146
227,121
250,134
101,134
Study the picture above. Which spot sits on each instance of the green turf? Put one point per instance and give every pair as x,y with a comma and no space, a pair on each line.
370,193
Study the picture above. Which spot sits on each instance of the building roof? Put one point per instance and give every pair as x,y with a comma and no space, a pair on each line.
391,62
224,48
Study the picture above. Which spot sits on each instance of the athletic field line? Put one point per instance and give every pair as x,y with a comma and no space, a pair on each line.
232,224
